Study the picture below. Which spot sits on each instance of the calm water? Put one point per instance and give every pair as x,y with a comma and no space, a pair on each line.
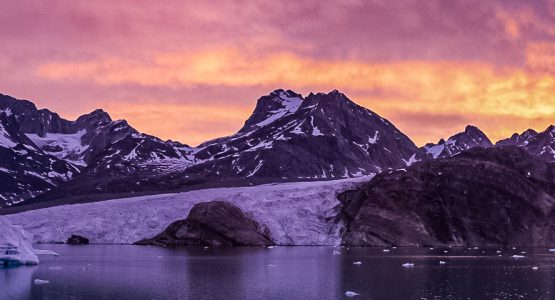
143,272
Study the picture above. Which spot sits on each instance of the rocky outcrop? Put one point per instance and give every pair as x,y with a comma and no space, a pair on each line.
494,196
77,240
215,223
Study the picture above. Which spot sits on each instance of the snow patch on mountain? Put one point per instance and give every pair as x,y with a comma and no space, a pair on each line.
300,213
64,146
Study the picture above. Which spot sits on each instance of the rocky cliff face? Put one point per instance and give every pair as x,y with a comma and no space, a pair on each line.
493,196
215,223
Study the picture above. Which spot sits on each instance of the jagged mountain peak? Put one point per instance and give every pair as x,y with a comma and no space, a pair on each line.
96,117
541,144
471,137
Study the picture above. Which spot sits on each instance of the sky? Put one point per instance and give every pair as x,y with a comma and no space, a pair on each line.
192,70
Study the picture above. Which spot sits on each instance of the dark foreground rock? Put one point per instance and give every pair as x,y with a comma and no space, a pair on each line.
215,223
77,240
495,196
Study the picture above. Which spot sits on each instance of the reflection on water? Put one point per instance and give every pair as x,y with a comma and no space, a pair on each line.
142,272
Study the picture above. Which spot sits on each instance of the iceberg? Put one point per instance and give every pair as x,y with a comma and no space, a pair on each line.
40,281
408,265
351,294
16,245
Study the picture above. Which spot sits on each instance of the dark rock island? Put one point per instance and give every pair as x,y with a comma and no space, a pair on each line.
215,223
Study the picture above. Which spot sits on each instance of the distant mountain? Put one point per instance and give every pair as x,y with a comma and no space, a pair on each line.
287,138
540,144
39,151
471,137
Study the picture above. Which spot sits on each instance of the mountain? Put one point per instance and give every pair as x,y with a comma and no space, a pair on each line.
540,144
39,151
483,196
288,137
471,137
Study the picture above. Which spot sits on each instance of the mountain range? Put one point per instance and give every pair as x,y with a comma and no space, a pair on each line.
46,160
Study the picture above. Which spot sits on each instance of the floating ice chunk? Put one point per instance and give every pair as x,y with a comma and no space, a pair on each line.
335,252
441,262
357,263
518,256
552,250
498,251
271,247
351,294
534,268
40,281
522,252
385,250
408,265
445,251
45,252
16,245
432,248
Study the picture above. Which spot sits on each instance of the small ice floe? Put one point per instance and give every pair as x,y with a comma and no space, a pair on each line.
445,251
205,247
271,247
552,250
45,252
514,248
40,281
408,265
534,268
351,294
432,248
518,256
441,262
335,252
385,250
476,248
393,247
498,251
357,263
271,265
522,252
54,268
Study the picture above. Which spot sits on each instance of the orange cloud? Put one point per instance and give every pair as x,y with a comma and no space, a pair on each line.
185,123
541,57
462,88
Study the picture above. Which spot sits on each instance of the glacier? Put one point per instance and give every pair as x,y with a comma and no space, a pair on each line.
297,213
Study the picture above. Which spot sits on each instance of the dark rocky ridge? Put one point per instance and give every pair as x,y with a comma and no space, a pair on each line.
215,223
540,144
495,196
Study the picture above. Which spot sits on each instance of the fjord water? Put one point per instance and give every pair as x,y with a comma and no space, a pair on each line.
145,272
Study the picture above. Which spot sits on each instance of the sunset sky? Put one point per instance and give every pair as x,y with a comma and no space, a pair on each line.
193,70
